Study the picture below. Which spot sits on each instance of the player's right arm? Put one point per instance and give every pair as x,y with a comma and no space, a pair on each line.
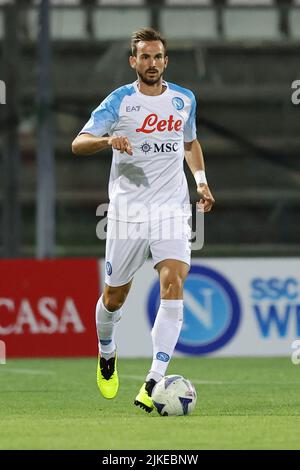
87,144
98,132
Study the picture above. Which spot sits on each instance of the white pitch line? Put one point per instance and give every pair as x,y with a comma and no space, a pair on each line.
26,371
141,378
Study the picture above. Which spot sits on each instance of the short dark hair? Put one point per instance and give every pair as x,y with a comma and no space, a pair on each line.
146,34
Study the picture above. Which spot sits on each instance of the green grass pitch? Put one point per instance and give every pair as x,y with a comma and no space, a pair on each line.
242,403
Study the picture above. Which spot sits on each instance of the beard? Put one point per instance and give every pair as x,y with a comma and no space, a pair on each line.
148,80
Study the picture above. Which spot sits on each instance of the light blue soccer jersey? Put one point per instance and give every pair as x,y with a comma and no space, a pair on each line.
151,182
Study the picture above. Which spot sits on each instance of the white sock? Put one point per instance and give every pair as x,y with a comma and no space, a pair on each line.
106,322
165,334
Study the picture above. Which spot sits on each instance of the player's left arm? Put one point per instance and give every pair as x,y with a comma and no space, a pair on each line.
195,160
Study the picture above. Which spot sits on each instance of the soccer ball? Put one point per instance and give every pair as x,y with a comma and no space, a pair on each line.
174,395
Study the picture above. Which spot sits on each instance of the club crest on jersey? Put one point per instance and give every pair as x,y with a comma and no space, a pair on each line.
152,123
108,268
178,103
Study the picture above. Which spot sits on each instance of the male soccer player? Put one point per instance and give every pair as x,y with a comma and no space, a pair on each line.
151,127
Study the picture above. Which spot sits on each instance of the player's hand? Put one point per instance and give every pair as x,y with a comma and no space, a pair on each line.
120,143
206,198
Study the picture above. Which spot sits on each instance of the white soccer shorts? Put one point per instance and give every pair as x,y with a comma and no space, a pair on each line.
128,245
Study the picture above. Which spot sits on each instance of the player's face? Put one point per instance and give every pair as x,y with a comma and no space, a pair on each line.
150,61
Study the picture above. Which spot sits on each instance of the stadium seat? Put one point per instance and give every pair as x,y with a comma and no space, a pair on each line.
193,24
64,2
251,23
119,23
295,23
66,23
189,2
121,2
251,3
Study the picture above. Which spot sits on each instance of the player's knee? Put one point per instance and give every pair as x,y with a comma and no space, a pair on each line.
113,301
172,286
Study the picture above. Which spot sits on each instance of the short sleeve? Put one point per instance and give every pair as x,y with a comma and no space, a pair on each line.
102,120
190,131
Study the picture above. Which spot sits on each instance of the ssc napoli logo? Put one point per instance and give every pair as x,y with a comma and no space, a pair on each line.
161,356
211,311
108,267
178,103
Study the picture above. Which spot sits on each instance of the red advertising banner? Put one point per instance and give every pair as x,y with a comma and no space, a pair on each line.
47,308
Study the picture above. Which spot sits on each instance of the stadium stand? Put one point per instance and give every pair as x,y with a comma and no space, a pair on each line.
251,23
239,60
195,24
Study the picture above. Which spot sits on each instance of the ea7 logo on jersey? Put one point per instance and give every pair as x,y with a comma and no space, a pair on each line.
132,108
151,124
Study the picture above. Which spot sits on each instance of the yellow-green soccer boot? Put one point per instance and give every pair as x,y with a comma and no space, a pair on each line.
107,377
143,399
